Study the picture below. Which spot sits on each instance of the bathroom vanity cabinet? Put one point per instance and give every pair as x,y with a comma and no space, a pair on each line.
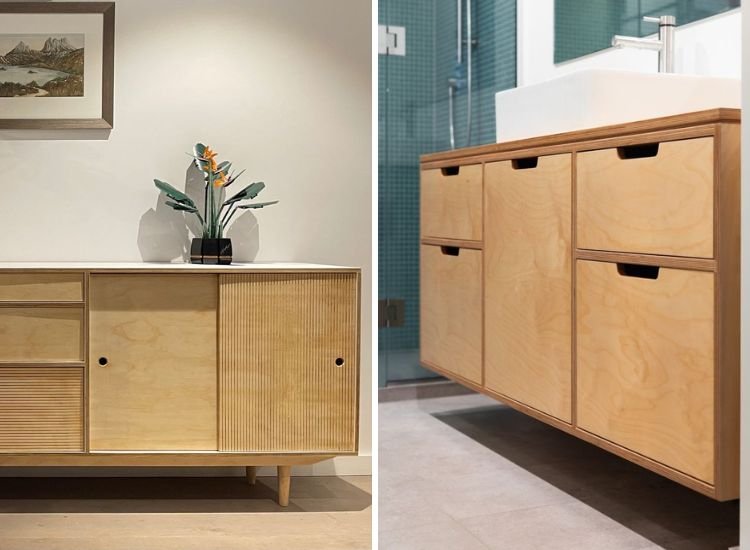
591,280
178,365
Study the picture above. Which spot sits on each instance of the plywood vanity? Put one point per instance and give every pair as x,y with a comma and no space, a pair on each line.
178,365
591,280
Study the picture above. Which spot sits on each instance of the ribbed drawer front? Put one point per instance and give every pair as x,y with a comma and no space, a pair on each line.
41,409
41,287
660,204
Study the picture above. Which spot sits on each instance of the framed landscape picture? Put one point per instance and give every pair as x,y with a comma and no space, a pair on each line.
56,65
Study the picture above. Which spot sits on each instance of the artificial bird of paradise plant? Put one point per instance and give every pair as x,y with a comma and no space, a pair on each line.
217,210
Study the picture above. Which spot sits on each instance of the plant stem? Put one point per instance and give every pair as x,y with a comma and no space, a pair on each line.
224,218
205,209
212,226
232,213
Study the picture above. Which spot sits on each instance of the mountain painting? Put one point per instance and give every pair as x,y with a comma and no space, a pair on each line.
41,65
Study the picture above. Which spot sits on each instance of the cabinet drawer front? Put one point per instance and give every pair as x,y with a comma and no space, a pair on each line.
645,350
41,287
451,310
41,409
528,276
288,362
41,334
661,204
451,204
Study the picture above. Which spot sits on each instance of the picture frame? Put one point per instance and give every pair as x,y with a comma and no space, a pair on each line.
57,65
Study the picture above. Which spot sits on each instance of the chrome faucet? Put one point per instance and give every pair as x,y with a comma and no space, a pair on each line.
664,44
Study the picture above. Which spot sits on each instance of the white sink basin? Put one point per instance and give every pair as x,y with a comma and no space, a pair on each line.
599,97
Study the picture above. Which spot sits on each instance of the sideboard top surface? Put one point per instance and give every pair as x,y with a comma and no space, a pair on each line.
165,267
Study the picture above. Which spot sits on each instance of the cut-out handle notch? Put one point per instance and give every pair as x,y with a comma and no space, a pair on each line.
450,250
525,163
638,271
450,170
641,151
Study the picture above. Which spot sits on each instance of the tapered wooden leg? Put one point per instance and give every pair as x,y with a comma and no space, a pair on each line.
285,481
250,472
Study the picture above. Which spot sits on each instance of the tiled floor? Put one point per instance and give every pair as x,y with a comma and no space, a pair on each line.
467,473
325,513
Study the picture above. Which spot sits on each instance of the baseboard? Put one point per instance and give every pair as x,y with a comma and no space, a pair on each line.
339,466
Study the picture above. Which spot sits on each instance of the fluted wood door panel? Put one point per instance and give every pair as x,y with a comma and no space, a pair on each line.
288,362
41,409
157,336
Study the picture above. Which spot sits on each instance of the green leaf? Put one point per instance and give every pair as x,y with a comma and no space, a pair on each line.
249,192
256,205
233,178
182,207
198,151
224,166
173,193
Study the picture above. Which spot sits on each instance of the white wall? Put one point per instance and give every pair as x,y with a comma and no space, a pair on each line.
708,47
282,88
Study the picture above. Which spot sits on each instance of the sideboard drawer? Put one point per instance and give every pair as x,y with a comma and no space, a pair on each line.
645,352
41,409
41,287
31,334
451,310
451,203
651,198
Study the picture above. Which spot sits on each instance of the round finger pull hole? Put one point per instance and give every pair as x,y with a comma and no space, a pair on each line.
103,361
339,362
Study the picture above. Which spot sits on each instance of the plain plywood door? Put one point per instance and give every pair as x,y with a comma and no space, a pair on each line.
288,362
157,335
528,282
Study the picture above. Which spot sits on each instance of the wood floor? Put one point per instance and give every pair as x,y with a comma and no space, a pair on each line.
468,473
324,513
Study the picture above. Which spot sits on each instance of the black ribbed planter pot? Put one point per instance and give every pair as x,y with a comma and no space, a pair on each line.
211,251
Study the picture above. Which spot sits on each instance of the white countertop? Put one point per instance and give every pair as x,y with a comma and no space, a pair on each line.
165,266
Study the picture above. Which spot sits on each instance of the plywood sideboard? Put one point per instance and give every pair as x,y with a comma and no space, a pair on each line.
178,365
591,280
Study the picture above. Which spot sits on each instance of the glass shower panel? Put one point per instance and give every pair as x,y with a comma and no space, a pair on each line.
413,103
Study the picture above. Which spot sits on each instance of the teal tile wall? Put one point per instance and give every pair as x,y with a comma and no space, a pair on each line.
586,26
413,120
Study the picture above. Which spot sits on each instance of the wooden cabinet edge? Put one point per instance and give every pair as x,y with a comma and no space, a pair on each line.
663,135
457,243
578,139
161,459
675,262
727,309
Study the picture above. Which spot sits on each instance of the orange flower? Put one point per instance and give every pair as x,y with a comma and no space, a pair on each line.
208,154
210,157
220,180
